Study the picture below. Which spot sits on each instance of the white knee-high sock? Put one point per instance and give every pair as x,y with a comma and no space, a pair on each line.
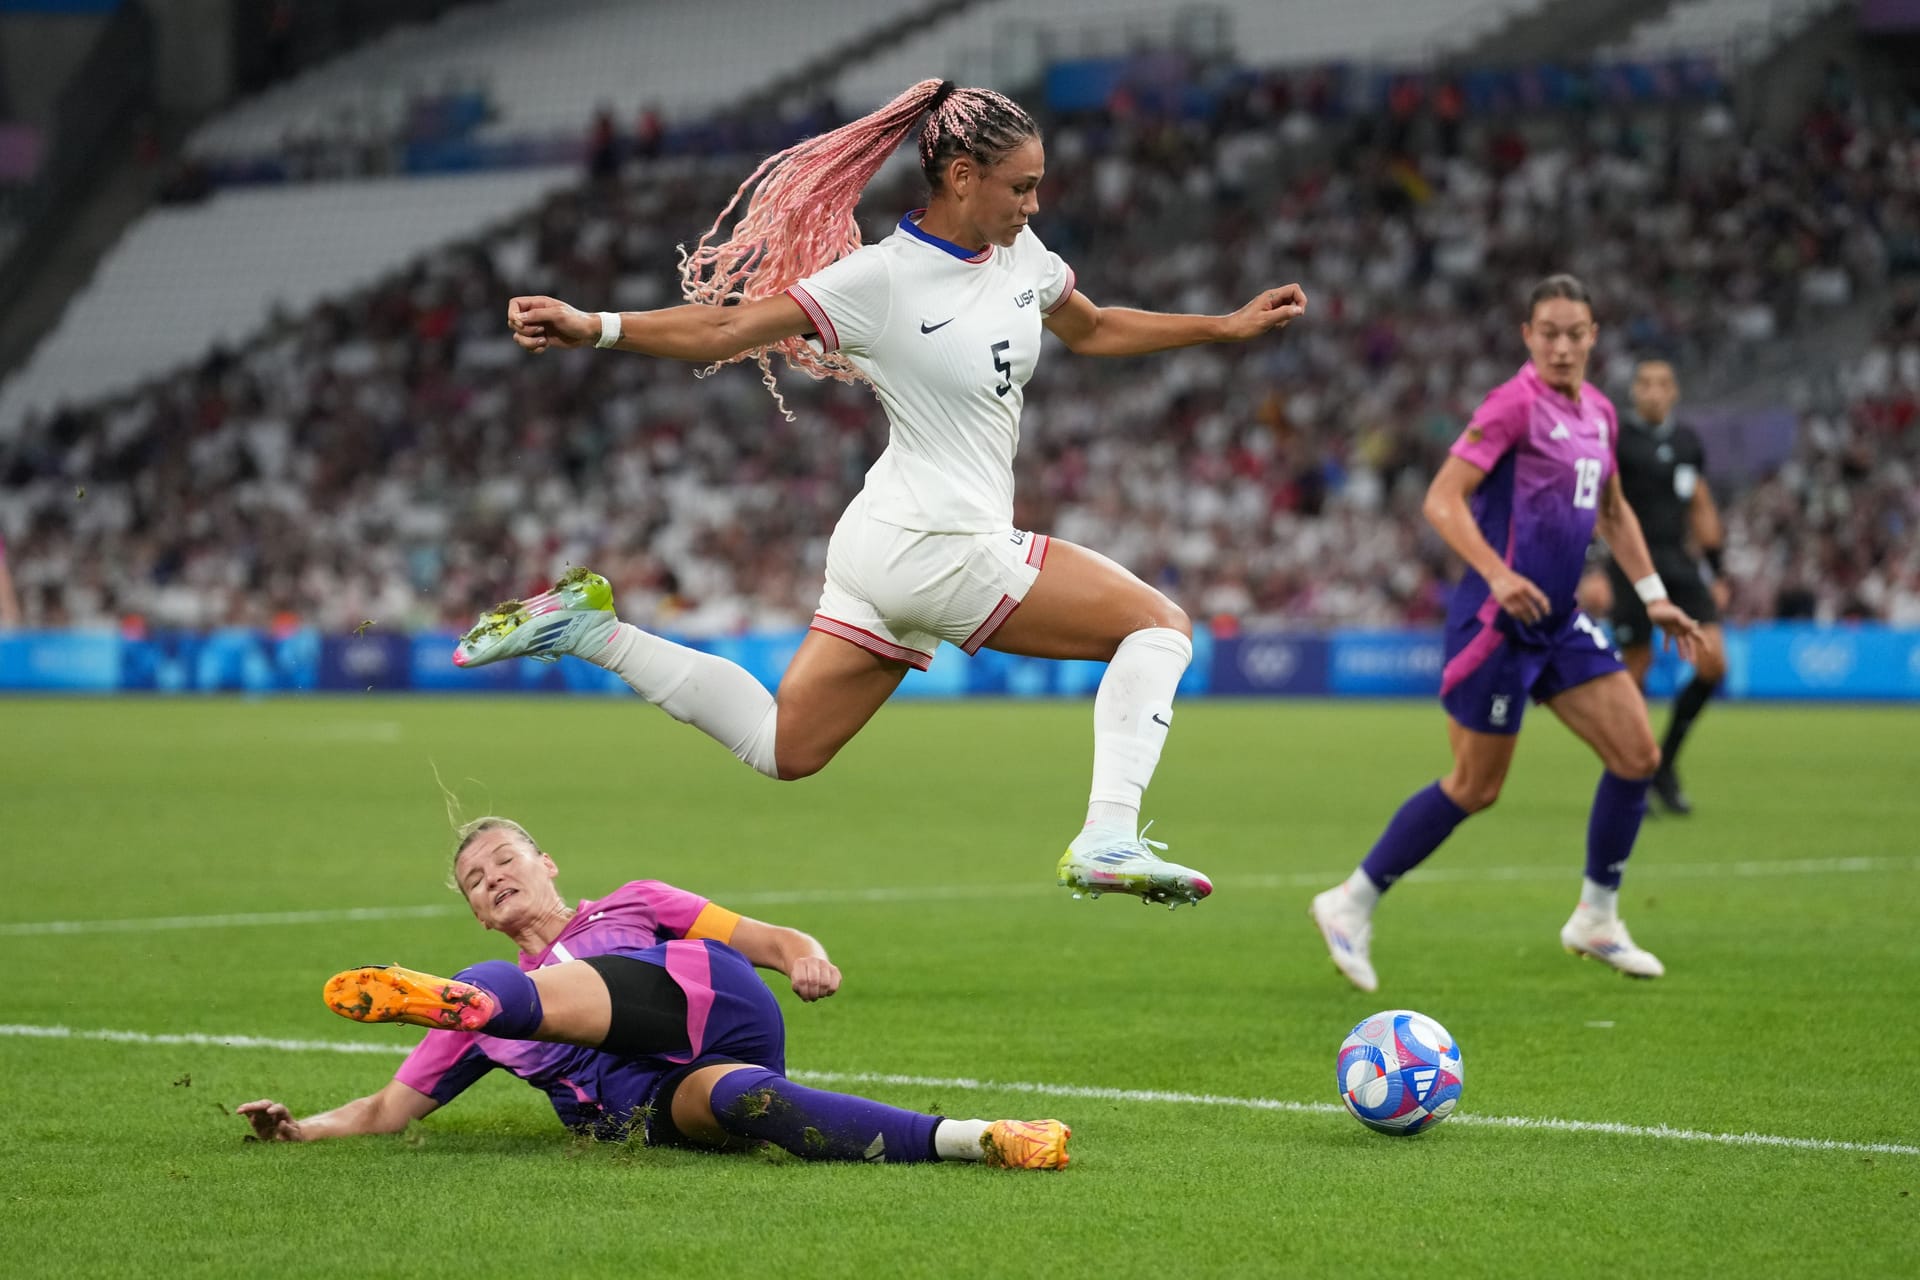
715,696
1132,712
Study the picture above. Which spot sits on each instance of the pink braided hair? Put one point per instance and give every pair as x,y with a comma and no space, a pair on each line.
799,218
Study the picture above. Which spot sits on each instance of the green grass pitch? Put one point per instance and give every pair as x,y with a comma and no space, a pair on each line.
1787,911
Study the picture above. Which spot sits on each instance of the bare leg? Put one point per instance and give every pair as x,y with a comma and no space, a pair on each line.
1638,658
1609,715
1480,764
692,1105
1082,606
831,688
829,692
575,1006
1710,653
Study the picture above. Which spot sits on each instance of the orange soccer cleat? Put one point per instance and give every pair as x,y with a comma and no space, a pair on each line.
388,993
1026,1144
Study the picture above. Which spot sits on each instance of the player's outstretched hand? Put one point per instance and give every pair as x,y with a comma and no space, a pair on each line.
815,978
1273,309
271,1121
540,322
1522,600
1681,632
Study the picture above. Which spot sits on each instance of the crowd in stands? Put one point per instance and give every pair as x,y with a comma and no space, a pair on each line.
392,456
1835,531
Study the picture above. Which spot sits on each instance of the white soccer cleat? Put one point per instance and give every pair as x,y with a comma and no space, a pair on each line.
1095,866
1348,930
575,617
1605,938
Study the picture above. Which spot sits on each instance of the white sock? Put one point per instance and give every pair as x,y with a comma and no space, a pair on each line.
1131,715
1362,892
715,696
1599,899
959,1139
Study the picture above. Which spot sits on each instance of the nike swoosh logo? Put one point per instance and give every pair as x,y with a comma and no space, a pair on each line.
1157,720
929,328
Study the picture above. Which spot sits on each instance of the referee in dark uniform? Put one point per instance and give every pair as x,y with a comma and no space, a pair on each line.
1663,475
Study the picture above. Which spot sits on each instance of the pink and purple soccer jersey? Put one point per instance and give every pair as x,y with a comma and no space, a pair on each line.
731,1016
1547,459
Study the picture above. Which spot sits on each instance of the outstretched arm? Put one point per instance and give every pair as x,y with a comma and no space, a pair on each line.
1615,522
388,1111
1121,331
789,951
1704,517
701,334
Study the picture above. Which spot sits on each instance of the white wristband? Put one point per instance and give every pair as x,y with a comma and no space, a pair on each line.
1650,589
609,329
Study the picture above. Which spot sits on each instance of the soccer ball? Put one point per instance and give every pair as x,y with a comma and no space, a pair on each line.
1399,1073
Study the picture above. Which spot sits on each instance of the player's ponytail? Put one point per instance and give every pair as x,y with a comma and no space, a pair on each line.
799,216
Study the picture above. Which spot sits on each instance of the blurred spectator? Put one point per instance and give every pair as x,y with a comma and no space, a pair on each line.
603,147
390,455
10,614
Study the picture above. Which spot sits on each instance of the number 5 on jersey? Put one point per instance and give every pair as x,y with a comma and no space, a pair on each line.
1006,370
1586,482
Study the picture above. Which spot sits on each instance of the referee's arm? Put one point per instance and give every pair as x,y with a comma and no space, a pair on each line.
1703,517
1620,529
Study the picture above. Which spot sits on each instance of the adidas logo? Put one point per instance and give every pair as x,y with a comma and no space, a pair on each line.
1560,432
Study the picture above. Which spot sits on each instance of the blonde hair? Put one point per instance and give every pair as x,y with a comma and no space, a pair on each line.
466,833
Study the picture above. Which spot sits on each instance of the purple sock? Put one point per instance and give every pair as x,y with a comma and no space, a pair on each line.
1423,823
816,1125
520,1013
1618,806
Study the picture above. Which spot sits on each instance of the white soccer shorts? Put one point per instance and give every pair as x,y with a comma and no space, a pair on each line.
899,592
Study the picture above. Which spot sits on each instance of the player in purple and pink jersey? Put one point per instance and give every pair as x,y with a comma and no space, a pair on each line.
636,1012
1529,483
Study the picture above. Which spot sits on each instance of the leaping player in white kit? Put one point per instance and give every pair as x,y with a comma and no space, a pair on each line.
942,319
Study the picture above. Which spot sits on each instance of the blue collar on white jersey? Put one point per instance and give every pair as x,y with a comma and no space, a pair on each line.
909,223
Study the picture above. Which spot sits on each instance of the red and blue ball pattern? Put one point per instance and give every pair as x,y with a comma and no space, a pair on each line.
1399,1073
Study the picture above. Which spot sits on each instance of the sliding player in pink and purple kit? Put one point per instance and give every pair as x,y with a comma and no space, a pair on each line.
636,1013
1527,486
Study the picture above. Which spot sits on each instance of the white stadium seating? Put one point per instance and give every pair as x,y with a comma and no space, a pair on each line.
997,43
548,64
1744,29
181,280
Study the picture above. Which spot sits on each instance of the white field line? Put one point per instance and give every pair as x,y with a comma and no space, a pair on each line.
157,924
1031,1089
204,1041
955,892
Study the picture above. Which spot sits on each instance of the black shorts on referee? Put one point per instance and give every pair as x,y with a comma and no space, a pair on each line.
1685,587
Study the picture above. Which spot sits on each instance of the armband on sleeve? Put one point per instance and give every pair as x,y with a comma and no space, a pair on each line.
715,922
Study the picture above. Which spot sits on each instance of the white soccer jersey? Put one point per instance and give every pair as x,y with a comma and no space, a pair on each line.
949,339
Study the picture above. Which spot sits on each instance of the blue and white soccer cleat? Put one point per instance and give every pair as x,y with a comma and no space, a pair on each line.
575,617
1347,928
1605,938
1095,866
